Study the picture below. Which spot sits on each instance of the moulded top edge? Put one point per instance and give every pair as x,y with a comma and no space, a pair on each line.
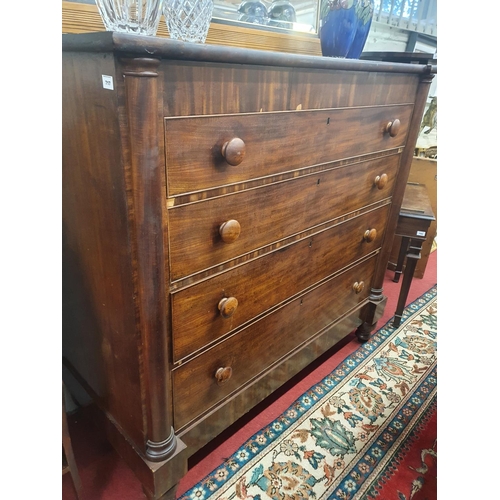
165,48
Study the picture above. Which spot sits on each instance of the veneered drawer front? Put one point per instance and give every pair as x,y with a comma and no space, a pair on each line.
214,88
357,88
274,142
271,213
253,350
265,282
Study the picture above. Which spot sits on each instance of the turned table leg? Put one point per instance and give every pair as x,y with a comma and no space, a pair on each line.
413,256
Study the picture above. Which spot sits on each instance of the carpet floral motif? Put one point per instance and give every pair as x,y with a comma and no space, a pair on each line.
336,439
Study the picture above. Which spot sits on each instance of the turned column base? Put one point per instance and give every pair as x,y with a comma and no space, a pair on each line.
159,451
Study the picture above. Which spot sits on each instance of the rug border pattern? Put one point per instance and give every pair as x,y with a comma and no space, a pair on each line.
250,451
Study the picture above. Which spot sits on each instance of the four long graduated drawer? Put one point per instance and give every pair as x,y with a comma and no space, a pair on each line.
227,219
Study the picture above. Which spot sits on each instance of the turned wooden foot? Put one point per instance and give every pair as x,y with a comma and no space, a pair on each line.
371,313
364,331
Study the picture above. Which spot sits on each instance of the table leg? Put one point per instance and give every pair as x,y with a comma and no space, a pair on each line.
413,256
403,250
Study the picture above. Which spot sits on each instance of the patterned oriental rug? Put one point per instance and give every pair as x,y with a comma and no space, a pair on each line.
366,431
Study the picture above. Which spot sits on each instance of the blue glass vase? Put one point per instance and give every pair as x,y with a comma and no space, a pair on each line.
344,27
364,14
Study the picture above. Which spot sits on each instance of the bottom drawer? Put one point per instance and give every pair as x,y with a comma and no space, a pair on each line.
253,350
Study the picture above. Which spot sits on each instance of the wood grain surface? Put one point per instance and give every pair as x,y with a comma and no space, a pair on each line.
266,341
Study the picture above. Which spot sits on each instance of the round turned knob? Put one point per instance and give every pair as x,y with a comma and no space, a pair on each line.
222,375
227,306
370,235
381,180
358,287
393,127
234,151
230,231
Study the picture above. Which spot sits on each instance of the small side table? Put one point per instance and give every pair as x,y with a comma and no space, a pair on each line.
414,220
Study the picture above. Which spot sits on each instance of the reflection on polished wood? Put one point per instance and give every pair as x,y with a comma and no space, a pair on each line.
85,18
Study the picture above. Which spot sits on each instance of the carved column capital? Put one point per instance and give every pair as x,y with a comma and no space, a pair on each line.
428,76
140,66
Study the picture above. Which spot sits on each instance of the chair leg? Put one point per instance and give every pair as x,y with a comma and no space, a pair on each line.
68,452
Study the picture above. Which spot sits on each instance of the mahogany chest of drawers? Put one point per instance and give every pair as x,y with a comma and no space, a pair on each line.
227,217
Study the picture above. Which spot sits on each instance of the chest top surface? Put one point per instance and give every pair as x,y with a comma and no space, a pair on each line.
161,48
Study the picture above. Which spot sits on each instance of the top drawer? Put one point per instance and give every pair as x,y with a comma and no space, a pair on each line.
208,151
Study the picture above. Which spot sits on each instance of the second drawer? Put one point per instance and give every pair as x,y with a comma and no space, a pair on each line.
271,213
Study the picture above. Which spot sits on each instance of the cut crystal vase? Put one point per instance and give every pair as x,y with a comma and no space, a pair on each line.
188,20
139,17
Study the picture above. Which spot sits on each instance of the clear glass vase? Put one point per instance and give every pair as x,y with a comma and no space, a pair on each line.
139,17
188,20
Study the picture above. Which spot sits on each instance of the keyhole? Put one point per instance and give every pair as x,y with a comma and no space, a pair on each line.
319,180
310,243
328,121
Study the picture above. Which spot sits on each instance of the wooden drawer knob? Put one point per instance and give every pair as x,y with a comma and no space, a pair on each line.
358,286
230,231
370,235
222,375
234,151
227,306
393,127
381,181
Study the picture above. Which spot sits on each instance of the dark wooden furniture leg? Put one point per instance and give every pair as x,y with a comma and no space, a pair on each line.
68,453
413,256
401,259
